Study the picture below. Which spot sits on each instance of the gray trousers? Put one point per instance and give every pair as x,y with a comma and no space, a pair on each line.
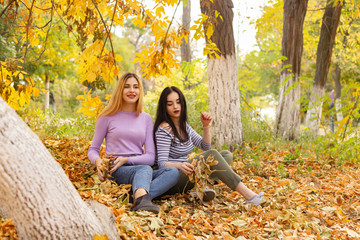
225,173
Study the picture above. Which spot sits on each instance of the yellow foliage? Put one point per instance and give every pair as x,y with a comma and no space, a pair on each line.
20,95
97,237
91,107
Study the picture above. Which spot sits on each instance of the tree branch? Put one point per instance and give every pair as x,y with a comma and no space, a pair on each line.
167,31
27,30
4,10
112,20
47,33
64,21
106,29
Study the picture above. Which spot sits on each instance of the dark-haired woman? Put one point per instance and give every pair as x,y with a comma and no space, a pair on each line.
175,140
127,129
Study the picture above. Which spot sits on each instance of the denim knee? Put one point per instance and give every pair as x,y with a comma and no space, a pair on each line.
144,168
142,178
174,172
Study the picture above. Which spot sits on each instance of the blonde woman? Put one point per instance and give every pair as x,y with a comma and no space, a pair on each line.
128,134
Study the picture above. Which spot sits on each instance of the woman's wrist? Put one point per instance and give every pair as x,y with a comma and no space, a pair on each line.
207,127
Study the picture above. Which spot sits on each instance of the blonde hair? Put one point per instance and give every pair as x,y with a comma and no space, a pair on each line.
116,100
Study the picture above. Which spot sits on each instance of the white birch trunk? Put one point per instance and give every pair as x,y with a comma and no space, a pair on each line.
339,115
36,193
224,100
47,94
288,111
313,115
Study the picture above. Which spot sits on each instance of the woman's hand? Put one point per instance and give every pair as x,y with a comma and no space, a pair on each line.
118,163
186,168
99,167
206,119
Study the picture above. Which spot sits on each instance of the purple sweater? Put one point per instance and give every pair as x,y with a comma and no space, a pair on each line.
125,135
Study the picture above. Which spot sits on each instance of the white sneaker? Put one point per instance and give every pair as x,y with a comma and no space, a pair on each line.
209,194
255,199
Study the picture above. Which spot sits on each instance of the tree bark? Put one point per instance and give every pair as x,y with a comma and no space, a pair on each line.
224,96
339,115
329,26
47,94
185,46
36,193
287,122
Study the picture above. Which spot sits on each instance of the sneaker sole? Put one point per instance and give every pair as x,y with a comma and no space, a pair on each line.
209,196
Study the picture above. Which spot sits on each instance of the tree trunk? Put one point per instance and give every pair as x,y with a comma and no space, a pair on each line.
287,122
185,46
329,26
224,96
47,94
36,193
339,115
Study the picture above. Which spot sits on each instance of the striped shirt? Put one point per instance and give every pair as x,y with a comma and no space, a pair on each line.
170,149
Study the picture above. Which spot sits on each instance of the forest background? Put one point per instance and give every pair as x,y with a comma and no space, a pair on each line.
58,67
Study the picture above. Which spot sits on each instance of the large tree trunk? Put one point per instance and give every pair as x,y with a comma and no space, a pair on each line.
224,96
288,112
36,193
329,26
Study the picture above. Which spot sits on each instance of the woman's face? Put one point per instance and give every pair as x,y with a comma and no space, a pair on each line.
131,91
173,105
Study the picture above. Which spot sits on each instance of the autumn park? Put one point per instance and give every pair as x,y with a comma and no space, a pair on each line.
272,119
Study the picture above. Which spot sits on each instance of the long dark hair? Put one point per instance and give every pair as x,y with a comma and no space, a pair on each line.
163,116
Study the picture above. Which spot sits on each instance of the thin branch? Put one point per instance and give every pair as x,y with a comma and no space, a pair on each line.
47,33
112,20
64,21
167,31
25,5
106,29
4,10
27,31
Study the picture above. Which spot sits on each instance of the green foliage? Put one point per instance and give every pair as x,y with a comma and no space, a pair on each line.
125,49
259,73
56,126
255,128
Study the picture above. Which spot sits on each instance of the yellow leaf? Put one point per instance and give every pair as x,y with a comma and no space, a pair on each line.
160,10
35,92
97,237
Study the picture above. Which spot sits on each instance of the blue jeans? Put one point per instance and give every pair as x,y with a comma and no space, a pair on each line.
155,182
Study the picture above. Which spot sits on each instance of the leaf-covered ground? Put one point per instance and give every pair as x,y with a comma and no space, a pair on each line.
303,199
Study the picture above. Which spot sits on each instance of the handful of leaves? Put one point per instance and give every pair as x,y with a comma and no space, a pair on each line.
201,176
106,166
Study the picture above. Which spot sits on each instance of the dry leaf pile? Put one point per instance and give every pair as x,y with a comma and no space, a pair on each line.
303,200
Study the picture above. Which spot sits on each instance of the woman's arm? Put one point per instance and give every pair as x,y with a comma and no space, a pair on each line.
94,149
163,143
99,135
206,120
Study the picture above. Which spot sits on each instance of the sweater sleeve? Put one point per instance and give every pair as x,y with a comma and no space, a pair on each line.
148,158
99,135
197,139
163,143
